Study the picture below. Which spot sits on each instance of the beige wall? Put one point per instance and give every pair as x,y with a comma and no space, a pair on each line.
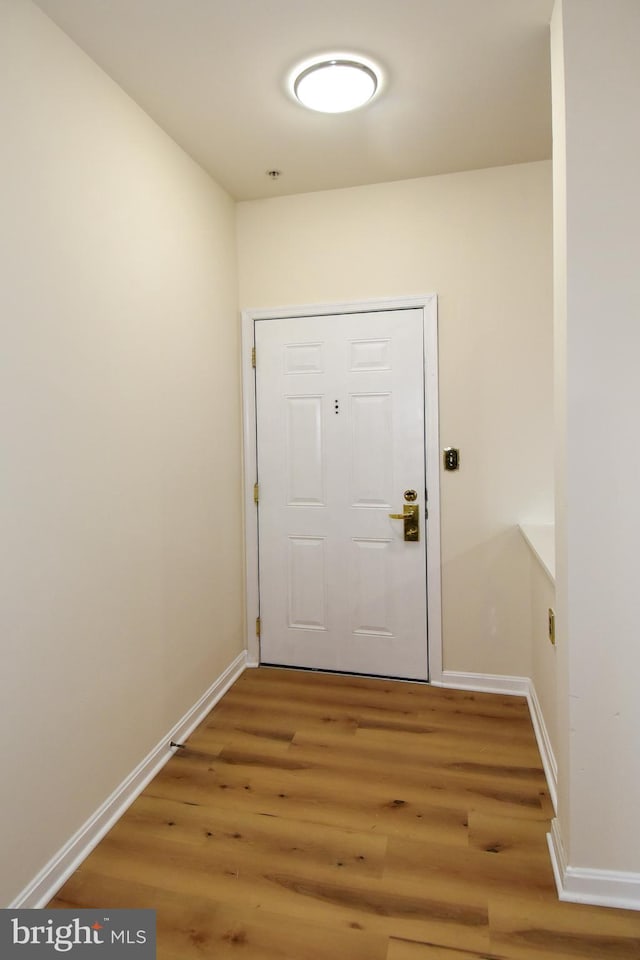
560,407
119,502
597,143
482,242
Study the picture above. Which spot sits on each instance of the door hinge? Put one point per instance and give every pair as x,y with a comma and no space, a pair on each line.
256,493
258,625
253,357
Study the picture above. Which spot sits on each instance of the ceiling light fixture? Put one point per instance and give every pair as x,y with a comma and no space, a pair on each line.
336,84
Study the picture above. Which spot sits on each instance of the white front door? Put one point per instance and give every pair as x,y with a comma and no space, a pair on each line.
341,445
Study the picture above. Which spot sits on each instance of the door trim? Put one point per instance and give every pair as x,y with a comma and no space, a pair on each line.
429,305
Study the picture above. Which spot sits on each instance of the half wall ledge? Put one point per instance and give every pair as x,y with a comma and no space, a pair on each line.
541,538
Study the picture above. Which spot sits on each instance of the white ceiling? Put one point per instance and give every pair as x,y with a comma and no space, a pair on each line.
467,83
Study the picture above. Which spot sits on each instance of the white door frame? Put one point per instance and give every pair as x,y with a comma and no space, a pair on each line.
429,305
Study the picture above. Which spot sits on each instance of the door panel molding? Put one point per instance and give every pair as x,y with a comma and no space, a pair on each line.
428,304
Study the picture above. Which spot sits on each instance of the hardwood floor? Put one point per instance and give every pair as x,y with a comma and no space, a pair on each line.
315,816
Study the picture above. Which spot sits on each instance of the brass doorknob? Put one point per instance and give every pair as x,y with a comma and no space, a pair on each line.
411,517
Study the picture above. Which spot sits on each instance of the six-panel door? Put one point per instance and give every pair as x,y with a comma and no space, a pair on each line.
340,433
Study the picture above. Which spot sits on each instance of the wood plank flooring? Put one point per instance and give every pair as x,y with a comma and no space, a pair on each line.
314,816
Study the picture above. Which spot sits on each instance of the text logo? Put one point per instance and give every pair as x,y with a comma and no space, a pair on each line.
99,934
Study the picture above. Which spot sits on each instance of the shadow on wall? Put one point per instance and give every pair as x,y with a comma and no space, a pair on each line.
486,607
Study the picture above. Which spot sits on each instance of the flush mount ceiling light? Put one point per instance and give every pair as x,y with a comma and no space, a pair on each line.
335,84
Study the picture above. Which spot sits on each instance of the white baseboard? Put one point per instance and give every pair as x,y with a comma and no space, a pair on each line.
484,683
513,686
61,866
602,888
543,740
